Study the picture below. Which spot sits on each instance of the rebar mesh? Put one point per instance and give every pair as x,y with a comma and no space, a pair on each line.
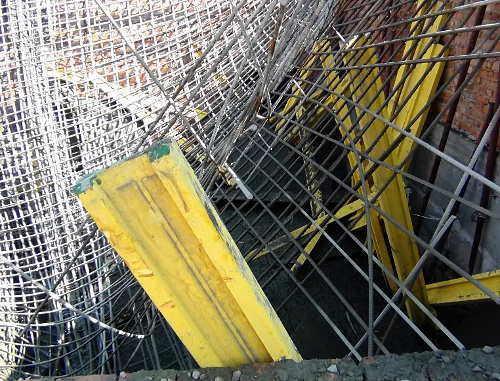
88,83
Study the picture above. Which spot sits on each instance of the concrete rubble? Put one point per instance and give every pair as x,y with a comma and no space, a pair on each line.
474,364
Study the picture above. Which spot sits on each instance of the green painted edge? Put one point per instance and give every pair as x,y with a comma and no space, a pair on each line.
86,182
158,151
155,152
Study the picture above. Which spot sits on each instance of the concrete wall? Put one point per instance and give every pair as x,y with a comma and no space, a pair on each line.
459,243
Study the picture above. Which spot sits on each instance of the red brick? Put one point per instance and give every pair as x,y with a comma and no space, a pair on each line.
482,99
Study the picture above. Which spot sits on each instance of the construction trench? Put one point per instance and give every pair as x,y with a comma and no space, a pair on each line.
219,190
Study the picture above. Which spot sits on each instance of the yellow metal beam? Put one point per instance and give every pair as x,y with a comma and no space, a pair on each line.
365,85
314,240
376,225
379,243
341,109
156,215
461,290
436,22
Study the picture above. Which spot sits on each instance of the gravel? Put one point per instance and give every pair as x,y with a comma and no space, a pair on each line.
474,365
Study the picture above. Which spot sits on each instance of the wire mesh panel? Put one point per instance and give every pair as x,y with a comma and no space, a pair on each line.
87,83
323,131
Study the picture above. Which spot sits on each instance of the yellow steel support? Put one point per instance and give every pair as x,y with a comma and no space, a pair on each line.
314,240
156,215
393,199
310,172
461,290
308,249
436,22
341,109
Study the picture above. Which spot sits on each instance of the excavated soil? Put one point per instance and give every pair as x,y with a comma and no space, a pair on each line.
476,364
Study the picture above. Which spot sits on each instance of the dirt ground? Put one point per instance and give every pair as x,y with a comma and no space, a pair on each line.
475,364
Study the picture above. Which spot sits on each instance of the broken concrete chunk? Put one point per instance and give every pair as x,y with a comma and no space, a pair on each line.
446,359
487,349
282,374
333,368
477,369
236,375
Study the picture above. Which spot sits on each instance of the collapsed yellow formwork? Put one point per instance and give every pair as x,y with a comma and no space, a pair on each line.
156,215
407,105
366,87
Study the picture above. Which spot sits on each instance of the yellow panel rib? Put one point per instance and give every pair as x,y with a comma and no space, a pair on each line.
380,247
292,104
418,99
436,22
461,290
365,85
154,212
417,26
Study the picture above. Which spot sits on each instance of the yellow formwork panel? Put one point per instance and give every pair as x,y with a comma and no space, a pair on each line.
339,106
341,109
156,215
380,247
314,240
379,244
417,101
417,98
393,199
435,21
292,103
331,81
412,45
461,290
310,170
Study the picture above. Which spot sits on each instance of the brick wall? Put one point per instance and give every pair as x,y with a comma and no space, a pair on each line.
481,90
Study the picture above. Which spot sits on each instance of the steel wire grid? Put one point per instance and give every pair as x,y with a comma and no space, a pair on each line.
86,83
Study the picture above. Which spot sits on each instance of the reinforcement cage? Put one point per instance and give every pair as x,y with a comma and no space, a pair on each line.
317,127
